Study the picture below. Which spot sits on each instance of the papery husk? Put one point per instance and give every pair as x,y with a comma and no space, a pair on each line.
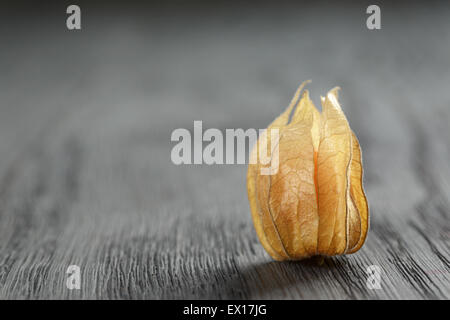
314,203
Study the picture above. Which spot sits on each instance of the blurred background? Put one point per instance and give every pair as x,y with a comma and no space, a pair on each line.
86,118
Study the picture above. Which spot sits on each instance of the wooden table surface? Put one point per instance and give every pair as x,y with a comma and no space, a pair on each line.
85,171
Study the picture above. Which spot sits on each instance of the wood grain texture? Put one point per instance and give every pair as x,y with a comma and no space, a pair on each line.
85,170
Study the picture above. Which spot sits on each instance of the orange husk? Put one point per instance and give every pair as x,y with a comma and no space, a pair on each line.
313,202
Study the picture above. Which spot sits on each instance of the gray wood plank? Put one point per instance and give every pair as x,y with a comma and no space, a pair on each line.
85,170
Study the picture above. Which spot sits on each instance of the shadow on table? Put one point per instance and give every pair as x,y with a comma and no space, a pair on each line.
284,280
